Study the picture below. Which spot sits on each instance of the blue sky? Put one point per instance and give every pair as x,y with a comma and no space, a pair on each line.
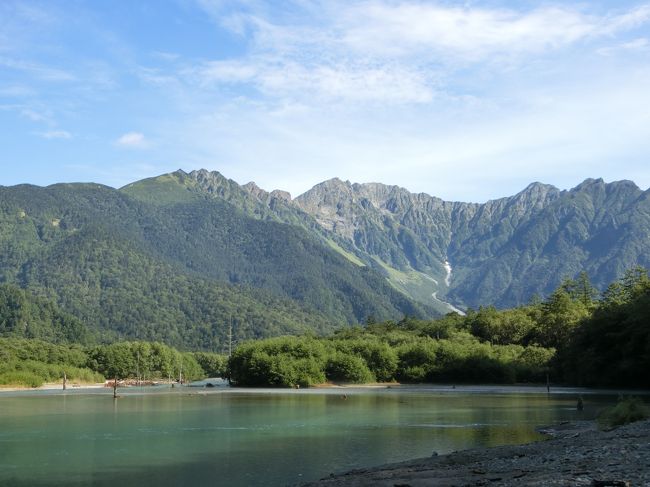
463,100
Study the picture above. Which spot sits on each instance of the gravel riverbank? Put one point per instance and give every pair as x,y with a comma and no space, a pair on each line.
575,454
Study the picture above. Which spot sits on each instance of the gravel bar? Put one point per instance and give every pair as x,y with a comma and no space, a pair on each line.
575,454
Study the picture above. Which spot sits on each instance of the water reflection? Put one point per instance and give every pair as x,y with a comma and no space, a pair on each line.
183,437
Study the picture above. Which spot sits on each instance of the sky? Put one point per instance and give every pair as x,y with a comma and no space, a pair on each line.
464,100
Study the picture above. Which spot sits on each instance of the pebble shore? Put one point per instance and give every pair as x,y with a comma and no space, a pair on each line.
576,454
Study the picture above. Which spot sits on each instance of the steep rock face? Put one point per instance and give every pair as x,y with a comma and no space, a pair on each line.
501,252
402,229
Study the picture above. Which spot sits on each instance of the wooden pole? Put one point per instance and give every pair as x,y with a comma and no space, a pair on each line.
65,380
230,338
115,388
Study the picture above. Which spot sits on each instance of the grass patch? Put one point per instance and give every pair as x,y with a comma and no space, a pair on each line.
417,285
19,378
31,373
627,410
348,255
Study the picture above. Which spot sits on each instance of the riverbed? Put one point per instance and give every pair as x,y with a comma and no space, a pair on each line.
223,436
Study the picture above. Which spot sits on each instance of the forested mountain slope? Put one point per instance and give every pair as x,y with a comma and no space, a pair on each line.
178,268
179,256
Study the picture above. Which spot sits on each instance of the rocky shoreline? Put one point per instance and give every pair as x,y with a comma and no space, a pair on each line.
576,454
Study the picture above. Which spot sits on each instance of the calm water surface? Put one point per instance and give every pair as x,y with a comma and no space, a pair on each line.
240,438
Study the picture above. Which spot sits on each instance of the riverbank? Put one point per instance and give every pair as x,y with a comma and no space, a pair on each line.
574,455
52,387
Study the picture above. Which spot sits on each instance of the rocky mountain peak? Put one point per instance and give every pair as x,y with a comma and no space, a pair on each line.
255,190
590,184
281,195
211,178
535,196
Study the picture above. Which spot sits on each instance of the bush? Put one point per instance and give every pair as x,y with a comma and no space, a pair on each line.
478,369
280,362
348,368
33,374
21,378
627,410
417,360
213,364
379,357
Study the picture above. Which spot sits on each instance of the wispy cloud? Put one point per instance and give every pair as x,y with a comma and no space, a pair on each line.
56,134
641,44
436,97
450,98
16,91
133,140
396,52
40,71
35,115
343,81
474,33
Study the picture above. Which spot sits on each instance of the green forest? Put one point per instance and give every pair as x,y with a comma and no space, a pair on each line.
179,270
575,336
30,363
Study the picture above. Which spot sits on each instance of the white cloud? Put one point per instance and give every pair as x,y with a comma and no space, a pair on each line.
473,153
350,82
132,140
641,44
165,56
474,33
395,52
56,134
35,115
625,21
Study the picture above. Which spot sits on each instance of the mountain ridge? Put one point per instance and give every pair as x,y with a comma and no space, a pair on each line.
335,254
419,234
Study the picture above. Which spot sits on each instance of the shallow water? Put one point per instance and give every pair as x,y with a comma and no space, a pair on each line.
233,437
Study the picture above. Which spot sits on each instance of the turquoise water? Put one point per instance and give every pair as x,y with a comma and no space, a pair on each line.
199,437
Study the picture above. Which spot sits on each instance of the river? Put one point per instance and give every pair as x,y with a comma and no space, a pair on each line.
239,437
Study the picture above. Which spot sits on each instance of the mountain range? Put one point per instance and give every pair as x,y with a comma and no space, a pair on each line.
185,257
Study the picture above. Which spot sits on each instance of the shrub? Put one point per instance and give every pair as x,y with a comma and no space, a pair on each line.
21,378
281,362
627,410
348,368
379,357
417,360
213,364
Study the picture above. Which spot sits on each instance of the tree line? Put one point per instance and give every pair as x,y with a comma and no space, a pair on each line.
32,362
575,336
